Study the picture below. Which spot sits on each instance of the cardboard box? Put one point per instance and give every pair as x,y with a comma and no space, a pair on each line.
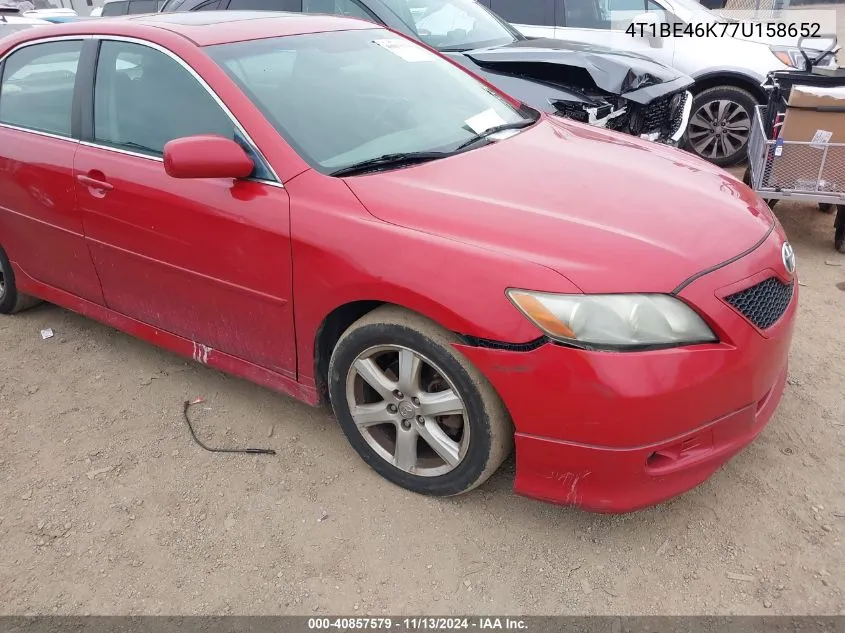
814,115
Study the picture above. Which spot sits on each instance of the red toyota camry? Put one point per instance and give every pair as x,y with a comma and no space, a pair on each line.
333,211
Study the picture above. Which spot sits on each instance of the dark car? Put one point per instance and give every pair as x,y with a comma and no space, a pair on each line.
603,87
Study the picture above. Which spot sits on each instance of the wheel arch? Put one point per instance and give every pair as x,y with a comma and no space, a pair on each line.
732,79
338,319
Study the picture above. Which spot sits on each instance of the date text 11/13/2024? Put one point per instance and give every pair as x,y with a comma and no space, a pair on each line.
725,29
416,624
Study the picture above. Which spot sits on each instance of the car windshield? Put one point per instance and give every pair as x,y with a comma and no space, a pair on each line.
341,98
452,25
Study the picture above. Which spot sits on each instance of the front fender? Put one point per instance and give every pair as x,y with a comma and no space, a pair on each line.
342,254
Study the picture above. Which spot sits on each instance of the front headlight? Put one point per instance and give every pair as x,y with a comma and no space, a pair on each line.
613,321
792,56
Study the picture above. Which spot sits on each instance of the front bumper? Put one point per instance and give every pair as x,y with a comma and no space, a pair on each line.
615,432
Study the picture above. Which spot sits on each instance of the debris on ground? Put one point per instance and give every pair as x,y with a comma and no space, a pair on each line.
742,577
99,471
47,333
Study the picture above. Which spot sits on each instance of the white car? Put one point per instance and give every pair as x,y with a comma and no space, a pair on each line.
728,70
11,22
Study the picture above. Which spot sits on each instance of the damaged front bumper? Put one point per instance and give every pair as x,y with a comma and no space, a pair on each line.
668,127
663,120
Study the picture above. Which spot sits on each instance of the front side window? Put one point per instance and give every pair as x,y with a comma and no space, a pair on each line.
144,98
452,24
36,91
348,8
343,97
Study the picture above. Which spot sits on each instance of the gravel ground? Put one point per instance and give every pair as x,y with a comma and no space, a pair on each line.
108,507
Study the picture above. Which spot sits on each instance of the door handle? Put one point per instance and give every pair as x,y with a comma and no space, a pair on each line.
94,183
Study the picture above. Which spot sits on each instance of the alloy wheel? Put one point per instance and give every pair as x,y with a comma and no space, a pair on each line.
719,128
408,410
2,283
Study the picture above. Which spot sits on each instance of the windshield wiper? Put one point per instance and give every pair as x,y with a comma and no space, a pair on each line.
399,159
486,134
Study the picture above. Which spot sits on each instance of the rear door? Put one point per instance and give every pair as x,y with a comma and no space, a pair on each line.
208,260
40,224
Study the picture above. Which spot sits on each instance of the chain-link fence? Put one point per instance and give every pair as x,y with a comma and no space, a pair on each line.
764,6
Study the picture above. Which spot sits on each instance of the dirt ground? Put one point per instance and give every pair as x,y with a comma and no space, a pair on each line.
108,507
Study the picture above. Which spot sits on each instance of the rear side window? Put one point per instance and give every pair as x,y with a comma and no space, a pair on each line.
533,12
115,8
266,5
36,91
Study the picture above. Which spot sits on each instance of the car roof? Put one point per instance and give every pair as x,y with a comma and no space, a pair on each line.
207,28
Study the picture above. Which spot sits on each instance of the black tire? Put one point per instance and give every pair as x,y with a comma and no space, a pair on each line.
839,234
746,179
741,97
487,425
12,301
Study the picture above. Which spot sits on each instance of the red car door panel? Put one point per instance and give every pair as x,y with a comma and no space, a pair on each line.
40,224
208,260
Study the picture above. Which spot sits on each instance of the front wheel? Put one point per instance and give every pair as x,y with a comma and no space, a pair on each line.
413,408
720,125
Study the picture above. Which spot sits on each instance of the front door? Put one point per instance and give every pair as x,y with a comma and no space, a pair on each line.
208,260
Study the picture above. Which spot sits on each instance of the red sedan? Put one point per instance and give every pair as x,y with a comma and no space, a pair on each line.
333,211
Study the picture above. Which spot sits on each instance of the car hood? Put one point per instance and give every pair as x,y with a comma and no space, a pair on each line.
609,212
554,61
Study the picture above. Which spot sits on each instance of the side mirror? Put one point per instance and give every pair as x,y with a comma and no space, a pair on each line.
206,156
648,25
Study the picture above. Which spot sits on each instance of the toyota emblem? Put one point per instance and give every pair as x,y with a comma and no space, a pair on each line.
788,256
